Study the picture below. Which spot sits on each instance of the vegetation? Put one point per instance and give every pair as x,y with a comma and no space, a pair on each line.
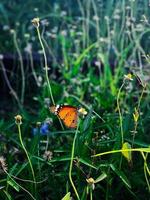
90,54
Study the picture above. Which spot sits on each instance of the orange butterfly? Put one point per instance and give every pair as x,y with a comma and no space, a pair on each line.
68,114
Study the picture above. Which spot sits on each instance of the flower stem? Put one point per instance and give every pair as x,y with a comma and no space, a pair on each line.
91,194
71,163
20,138
46,66
120,115
10,176
21,65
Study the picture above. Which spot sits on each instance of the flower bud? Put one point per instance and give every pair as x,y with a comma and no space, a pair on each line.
36,22
18,119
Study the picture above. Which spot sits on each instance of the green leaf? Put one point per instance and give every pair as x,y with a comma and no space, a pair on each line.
101,177
121,175
67,196
13,184
127,154
87,163
80,58
7,194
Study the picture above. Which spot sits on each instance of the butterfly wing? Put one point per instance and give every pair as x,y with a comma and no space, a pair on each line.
69,115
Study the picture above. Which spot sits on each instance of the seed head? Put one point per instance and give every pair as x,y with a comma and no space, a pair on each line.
128,77
36,22
91,182
48,155
18,119
3,165
82,111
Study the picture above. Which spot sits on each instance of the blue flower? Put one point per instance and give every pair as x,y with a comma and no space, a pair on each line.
35,131
42,130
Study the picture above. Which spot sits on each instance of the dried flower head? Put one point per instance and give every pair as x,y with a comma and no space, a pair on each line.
91,182
36,22
18,119
47,155
3,165
82,111
128,77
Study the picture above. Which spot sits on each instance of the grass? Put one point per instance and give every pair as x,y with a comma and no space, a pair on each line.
91,54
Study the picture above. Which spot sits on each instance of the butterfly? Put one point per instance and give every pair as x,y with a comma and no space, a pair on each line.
68,114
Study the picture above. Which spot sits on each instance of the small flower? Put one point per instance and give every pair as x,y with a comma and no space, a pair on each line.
63,13
116,16
35,131
96,18
91,182
18,119
98,63
28,48
3,165
6,27
47,155
1,56
12,31
44,22
135,115
36,9
36,22
64,32
82,111
42,129
128,77
47,102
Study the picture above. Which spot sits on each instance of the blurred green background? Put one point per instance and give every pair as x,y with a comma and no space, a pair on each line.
90,45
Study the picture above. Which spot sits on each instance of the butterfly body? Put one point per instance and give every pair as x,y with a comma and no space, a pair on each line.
68,114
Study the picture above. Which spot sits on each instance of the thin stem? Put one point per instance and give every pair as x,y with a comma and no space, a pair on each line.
145,162
12,91
120,115
147,150
32,67
50,52
146,170
10,176
71,163
134,133
21,65
91,194
144,86
138,109
46,66
81,7
20,137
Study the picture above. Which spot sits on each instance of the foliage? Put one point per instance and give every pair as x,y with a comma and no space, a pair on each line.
91,54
